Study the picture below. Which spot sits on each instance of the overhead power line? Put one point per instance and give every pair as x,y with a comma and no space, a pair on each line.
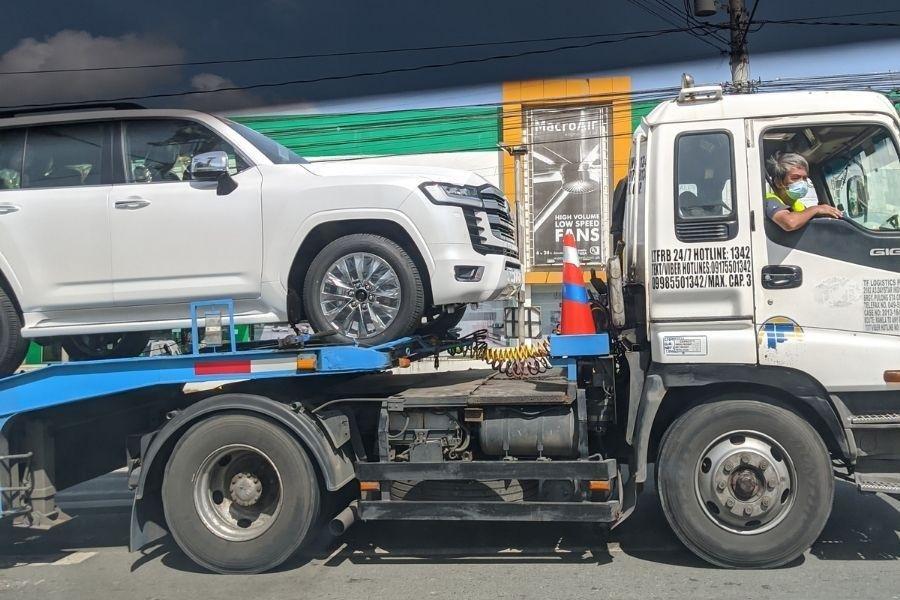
337,54
329,139
345,76
668,19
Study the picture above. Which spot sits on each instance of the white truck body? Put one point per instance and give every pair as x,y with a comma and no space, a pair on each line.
707,301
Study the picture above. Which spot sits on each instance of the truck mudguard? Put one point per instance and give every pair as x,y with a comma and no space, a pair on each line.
147,521
799,386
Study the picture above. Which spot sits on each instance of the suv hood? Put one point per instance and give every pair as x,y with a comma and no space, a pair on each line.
357,168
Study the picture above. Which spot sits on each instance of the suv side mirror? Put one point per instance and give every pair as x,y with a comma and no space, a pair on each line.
209,166
213,166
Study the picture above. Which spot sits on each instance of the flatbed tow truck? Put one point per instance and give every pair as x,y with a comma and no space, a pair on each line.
749,366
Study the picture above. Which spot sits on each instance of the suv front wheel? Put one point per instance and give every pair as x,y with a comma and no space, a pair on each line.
366,288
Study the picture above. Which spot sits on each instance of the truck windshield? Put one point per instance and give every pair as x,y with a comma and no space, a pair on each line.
278,154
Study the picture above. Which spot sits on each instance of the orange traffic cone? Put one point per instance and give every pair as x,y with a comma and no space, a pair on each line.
576,307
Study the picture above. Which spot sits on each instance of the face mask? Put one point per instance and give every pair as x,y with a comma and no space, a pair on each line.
798,189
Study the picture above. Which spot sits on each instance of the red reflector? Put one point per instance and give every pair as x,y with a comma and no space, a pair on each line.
221,367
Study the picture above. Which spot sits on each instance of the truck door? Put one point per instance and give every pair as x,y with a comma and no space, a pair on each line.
828,295
699,276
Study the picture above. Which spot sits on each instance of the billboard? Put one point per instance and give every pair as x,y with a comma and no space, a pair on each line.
568,181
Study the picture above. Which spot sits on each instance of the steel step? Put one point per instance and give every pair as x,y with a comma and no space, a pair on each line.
878,475
882,484
416,510
483,469
874,420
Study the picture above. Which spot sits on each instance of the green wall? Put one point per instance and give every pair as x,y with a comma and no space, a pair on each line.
639,110
377,134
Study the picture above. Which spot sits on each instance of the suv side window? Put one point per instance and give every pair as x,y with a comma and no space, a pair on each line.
12,153
704,187
64,155
160,150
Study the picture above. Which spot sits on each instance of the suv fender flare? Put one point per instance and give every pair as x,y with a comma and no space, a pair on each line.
147,520
286,258
8,279
804,390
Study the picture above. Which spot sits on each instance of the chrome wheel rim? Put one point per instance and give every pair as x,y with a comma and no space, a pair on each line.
360,295
237,492
745,482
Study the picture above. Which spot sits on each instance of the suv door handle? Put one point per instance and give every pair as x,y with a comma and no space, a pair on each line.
5,209
132,204
781,277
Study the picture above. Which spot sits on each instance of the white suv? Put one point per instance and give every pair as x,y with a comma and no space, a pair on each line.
112,220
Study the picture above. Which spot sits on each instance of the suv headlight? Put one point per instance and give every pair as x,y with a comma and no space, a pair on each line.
452,194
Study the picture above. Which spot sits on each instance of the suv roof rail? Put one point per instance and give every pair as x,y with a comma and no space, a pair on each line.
18,112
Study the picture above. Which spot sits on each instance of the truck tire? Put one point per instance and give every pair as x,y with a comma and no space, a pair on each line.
366,288
744,483
240,494
13,346
101,346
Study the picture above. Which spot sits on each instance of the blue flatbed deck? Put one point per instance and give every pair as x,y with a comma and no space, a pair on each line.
64,383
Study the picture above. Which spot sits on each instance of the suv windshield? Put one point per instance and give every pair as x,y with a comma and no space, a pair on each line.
274,151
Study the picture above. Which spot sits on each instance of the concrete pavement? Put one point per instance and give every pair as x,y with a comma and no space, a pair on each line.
856,557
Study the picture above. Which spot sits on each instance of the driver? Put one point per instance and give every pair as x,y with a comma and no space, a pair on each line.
787,173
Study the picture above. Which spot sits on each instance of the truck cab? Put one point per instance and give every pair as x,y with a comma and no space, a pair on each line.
727,306
724,284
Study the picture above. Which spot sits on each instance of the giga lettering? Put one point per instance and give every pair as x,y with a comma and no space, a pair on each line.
884,252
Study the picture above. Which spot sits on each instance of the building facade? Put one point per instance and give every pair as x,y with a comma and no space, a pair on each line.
576,132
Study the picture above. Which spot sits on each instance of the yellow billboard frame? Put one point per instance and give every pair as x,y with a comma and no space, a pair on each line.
519,96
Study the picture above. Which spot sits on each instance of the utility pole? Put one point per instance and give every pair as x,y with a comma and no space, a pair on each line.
739,56
738,23
518,153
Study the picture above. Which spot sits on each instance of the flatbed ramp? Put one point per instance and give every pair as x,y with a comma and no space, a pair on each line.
475,387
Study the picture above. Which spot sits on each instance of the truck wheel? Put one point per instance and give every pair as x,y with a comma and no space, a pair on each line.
240,494
13,346
365,287
102,345
744,484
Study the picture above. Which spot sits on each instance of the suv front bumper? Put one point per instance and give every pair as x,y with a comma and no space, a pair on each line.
462,275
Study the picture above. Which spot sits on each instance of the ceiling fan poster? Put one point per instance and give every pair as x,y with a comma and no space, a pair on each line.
568,172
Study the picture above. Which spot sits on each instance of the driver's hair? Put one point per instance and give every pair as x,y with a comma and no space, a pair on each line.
780,164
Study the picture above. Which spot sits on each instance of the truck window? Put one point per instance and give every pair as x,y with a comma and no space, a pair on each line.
858,163
12,149
704,187
64,156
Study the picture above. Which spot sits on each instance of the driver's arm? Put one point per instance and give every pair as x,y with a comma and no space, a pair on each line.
792,221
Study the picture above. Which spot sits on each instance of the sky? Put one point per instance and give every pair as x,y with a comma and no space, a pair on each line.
54,34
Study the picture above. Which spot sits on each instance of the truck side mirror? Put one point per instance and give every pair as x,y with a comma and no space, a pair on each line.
857,197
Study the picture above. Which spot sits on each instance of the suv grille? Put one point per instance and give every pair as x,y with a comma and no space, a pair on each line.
499,221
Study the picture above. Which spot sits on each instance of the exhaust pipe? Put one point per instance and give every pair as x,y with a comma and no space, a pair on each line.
344,519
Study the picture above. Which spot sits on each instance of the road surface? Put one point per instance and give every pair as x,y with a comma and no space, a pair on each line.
87,558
